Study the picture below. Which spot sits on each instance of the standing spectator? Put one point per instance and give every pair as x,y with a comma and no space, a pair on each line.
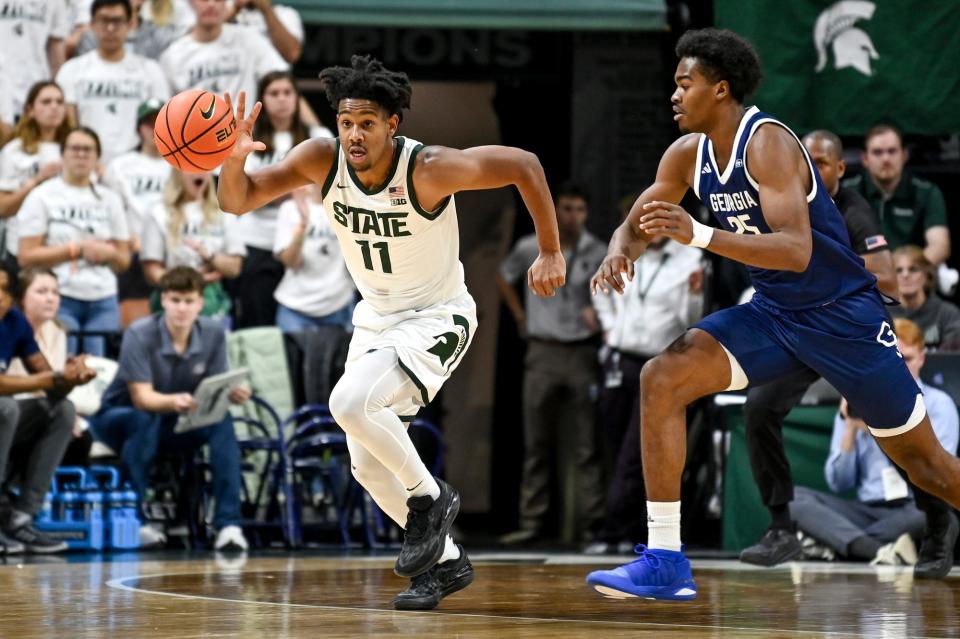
80,230
883,511
31,43
39,300
189,229
155,24
219,57
45,422
768,404
664,298
30,158
938,319
280,24
280,128
560,369
911,210
104,88
316,289
163,359
140,178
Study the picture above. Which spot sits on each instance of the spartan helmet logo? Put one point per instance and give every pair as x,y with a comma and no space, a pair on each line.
852,47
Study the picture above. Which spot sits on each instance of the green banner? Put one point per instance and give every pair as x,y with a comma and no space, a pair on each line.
847,65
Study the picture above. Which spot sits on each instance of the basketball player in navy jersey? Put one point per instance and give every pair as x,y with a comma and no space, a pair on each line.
815,304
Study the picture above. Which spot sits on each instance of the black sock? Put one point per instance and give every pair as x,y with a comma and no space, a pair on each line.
863,548
780,515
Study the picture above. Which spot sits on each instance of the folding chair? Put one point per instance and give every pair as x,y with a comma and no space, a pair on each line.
318,456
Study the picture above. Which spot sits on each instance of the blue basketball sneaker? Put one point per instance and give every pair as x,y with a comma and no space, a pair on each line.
655,574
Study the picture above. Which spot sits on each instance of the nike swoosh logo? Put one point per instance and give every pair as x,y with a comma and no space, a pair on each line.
343,186
208,112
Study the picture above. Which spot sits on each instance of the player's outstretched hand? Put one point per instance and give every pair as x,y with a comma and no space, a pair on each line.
609,275
664,218
548,273
245,144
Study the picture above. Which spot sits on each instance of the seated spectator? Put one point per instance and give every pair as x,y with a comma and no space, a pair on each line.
39,298
663,299
32,44
45,423
911,210
316,289
153,26
30,158
80,230
219,57
189,229
280,128
163,359
884,512
140,177
104,88
937,318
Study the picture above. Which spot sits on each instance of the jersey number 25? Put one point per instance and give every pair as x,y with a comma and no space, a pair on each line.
741,226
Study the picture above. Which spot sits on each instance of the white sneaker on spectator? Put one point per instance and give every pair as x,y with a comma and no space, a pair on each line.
152,536
231,538
814,549
902,552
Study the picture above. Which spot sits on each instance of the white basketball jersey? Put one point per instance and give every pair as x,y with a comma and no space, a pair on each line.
400,256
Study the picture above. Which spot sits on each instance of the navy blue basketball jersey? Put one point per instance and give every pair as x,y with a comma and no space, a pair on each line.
733,196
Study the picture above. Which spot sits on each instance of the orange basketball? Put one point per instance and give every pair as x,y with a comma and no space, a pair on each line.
195,131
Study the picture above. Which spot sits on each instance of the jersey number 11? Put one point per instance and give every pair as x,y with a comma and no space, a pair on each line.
368,256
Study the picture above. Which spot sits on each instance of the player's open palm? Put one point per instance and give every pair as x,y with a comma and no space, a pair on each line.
666,218
245,144
548,273
611,274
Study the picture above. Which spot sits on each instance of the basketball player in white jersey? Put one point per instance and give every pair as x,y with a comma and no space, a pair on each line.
390,201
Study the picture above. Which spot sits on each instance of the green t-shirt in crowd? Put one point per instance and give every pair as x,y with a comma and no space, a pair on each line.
915,206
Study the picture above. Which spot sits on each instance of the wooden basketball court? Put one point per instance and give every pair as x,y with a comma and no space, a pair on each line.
513,596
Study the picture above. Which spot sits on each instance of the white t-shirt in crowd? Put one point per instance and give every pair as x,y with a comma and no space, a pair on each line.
140,180
25,28
107,95
156,245
321,284
288,17
259,227
62,213
16,167
233,62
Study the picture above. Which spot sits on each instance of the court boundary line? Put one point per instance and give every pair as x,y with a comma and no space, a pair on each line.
117,583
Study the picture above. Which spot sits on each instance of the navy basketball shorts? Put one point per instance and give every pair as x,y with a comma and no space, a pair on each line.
849,342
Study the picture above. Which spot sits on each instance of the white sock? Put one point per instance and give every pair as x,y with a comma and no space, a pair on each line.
427,486
450,551
663,525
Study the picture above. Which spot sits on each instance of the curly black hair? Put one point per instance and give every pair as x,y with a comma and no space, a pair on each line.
723,55
367,79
